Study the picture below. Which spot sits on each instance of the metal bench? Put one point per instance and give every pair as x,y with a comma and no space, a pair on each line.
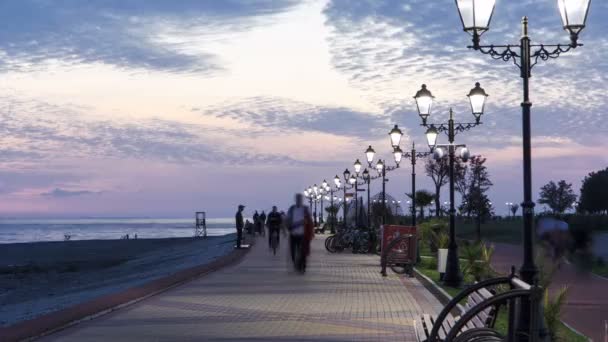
477,316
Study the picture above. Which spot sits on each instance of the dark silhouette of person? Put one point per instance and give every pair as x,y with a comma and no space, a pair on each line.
262,222
256,221
274,222
301,232
239,225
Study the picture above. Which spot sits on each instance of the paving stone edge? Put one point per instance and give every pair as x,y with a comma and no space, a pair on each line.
52,322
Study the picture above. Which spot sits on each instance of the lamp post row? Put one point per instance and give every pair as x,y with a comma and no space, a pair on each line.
476,17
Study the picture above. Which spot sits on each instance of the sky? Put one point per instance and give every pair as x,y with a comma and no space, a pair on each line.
162,108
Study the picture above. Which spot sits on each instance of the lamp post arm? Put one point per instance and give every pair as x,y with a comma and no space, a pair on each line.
508,53
458,127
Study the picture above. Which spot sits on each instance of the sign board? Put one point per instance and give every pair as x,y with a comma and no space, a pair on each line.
391,232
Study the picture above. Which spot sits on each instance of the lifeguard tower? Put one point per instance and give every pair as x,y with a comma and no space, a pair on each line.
200,228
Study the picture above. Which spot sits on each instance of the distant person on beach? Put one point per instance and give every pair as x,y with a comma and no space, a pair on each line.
262,222
256,221
239,225
274,222
301,232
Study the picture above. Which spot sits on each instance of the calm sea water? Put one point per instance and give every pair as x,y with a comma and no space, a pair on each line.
30,230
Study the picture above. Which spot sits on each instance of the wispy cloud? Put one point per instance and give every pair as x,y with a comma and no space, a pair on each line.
287,116
63,193
121,33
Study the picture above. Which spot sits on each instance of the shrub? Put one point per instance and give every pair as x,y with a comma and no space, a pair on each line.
478,258
553,311
431,227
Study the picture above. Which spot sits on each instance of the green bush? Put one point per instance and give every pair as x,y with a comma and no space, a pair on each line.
478,260
429,229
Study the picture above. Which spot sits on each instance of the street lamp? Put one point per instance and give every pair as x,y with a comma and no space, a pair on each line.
424,100
369,154
346,175
395,135
382,170
413,155
357,167
476,17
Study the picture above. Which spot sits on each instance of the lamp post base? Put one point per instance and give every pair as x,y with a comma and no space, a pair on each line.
453,276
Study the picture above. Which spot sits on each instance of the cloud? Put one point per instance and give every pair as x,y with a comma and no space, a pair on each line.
62,193
122,33
37,131
388,49
287,116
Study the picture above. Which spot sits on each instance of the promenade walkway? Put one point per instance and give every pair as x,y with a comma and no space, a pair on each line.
342,297
586,309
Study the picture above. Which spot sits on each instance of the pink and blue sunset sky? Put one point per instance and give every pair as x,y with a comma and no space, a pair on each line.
161,108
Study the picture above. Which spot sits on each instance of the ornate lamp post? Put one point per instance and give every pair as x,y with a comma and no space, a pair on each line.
367,179
346,175
476,17
382,170
338,184
413,155
424,101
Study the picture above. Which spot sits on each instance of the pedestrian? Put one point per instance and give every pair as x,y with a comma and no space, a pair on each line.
239,225
262,223
248,227
274,222
301,232
256,221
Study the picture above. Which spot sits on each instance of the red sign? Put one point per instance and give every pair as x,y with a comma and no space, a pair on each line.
391,232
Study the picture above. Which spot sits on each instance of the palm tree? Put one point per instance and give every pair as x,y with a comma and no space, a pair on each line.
424,198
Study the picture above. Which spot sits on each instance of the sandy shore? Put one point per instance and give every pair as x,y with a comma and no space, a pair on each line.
38,278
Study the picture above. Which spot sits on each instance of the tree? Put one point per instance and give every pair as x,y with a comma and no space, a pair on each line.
559,197
514,208
424,198
594,197
439,171
474,183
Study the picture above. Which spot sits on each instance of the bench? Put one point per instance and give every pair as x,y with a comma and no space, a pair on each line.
475,319
400,255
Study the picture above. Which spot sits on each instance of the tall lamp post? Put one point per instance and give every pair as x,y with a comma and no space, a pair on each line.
424,101
346,175
413,155
338,185
382,170
476,17
332,214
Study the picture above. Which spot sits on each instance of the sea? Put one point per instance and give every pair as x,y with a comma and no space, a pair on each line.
17,230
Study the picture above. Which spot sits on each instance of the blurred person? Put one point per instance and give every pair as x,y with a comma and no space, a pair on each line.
274,223
263,223
301,232
239,225
256,221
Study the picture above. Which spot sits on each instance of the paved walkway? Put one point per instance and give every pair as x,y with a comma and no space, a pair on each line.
586,308
342,297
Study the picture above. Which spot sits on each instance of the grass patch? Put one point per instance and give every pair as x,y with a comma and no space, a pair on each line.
600,268
428,267
505,231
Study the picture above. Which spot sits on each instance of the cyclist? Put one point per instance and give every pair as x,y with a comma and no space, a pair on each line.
299,223
274,222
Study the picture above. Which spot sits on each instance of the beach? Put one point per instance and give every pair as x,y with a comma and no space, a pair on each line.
42,277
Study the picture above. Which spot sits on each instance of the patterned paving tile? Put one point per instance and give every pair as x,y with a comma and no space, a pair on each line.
342,297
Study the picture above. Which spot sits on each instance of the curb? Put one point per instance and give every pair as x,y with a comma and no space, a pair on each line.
445,297
439,293
64,318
